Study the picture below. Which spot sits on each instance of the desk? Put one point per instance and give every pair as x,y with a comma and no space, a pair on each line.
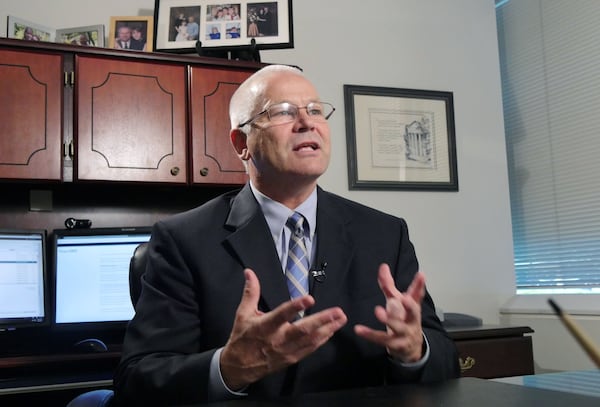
463,392
39,373
53,380
57,382
585,382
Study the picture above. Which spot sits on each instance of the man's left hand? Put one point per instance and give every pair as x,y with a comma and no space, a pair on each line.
403,337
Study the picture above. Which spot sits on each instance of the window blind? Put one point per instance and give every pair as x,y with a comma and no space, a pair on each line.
550,68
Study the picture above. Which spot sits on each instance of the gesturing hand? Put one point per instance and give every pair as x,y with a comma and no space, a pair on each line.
262,343
403,337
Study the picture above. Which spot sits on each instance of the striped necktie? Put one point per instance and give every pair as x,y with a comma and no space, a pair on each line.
297,265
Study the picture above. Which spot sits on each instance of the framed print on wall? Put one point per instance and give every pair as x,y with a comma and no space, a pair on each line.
400,139
179,24
131,33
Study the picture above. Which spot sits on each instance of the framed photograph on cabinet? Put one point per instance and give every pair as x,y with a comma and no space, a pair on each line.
400,139
180,24
28,31
131,33
89,36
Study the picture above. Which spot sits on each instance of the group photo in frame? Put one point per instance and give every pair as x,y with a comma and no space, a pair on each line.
88,36
400,139
28,31
180,24
131,33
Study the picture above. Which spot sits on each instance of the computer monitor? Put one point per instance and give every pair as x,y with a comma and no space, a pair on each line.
23,279
91,275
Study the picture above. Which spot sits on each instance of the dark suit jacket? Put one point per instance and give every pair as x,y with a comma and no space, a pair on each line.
194,282
136,44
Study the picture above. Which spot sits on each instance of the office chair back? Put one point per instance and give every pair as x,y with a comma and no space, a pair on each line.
93,398
137,268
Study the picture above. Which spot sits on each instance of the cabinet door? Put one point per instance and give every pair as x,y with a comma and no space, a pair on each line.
131,120
214,160
31,89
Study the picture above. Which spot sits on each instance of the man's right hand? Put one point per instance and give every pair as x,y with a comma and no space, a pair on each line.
263,343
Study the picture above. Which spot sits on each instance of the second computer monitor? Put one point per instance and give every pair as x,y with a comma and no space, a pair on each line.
91,275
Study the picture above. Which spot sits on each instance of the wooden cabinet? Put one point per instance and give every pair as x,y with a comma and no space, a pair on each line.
131,120
30,115
494,351
214,160
86,114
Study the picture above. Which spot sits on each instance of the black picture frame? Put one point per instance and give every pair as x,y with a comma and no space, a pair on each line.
271,21
400,139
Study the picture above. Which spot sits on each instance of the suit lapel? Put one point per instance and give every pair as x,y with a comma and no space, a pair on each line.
252,243
335,247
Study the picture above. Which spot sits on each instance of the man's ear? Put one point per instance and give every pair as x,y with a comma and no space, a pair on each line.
238,139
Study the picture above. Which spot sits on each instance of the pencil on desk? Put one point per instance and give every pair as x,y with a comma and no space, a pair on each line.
581,337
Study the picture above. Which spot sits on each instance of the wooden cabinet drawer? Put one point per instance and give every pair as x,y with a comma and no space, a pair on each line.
496,357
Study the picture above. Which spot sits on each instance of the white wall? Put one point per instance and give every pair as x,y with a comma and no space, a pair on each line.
463,239
554,348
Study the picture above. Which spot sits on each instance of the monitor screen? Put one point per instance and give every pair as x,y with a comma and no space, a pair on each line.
91,274
23,284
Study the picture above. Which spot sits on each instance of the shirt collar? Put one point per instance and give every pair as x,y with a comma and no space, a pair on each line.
277,214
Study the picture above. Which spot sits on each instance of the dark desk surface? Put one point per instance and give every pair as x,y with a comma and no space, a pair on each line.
462,392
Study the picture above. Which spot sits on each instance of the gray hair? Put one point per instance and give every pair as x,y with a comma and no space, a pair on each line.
246,100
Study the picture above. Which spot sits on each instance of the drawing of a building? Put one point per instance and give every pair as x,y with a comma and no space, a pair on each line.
417,138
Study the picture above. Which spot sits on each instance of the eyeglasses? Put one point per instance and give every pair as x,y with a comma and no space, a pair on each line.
282,113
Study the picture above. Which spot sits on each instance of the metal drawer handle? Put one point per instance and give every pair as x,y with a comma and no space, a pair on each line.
466,364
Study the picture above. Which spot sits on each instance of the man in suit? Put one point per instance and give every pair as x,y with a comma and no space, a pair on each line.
123,40
217,318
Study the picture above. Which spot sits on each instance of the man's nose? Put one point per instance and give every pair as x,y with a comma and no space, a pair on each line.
304,120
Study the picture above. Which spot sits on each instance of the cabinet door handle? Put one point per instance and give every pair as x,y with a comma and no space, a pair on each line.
204,172
69,78
174,171
467,363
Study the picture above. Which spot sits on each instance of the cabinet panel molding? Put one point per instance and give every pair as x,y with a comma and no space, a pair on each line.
214,160
31,111
130,118
131,121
